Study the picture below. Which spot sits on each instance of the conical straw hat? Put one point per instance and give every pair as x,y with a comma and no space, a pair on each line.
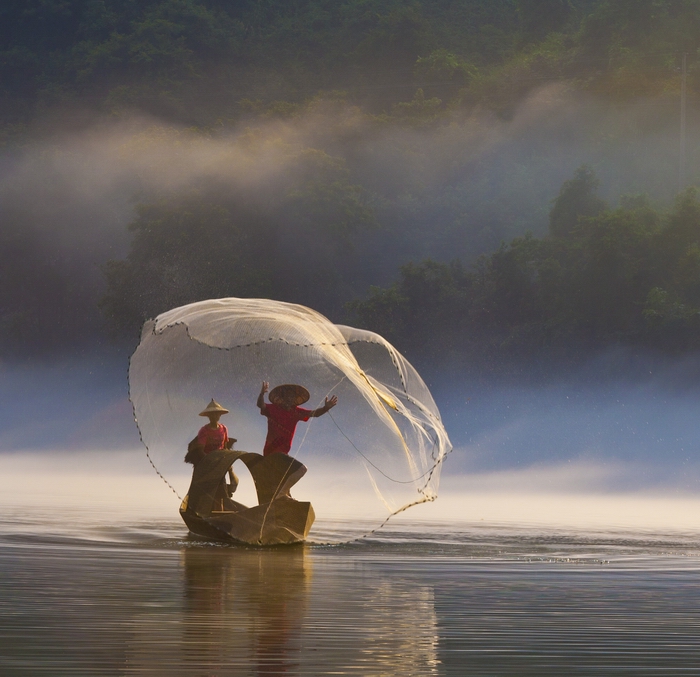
299,393
212,408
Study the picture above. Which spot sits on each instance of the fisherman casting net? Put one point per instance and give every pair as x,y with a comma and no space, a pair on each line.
376,453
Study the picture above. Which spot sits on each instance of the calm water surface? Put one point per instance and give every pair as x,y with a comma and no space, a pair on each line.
80,596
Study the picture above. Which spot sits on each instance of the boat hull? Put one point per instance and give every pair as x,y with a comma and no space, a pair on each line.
277,520
282,522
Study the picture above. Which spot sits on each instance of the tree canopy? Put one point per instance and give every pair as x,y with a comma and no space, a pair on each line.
386,123
196,61
627,275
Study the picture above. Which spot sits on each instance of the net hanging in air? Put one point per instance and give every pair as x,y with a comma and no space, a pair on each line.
376,453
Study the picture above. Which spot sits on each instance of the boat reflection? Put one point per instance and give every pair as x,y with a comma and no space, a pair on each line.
268,611
245,607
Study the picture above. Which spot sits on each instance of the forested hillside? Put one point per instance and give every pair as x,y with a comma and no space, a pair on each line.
603,277
308,150
206,61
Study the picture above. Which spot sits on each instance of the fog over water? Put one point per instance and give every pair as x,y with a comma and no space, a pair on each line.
586,449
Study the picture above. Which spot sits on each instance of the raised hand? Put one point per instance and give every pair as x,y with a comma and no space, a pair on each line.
261,396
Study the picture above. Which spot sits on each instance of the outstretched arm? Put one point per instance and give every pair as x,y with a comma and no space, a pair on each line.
261,396
329,404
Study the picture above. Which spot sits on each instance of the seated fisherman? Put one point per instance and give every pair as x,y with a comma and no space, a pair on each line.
212,437
283,413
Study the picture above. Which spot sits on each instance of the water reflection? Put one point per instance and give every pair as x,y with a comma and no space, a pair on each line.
270,612
544,606
264,610
245,606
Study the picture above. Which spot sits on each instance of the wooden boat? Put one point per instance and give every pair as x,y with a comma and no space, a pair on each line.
208,511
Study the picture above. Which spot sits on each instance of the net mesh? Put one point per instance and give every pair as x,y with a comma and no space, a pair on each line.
376,453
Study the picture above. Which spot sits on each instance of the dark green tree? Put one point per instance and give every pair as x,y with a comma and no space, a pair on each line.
182,251
430,300
577,199
540,17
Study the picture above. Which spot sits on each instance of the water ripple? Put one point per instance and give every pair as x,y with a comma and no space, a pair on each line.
86,597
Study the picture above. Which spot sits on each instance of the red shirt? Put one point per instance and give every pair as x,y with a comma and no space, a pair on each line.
281,424
213,438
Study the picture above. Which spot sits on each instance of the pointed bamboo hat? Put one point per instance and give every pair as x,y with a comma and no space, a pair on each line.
213,408
299,393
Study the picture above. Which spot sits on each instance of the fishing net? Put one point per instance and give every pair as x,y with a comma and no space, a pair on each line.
376,453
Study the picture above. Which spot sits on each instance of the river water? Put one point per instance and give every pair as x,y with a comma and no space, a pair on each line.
83,594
